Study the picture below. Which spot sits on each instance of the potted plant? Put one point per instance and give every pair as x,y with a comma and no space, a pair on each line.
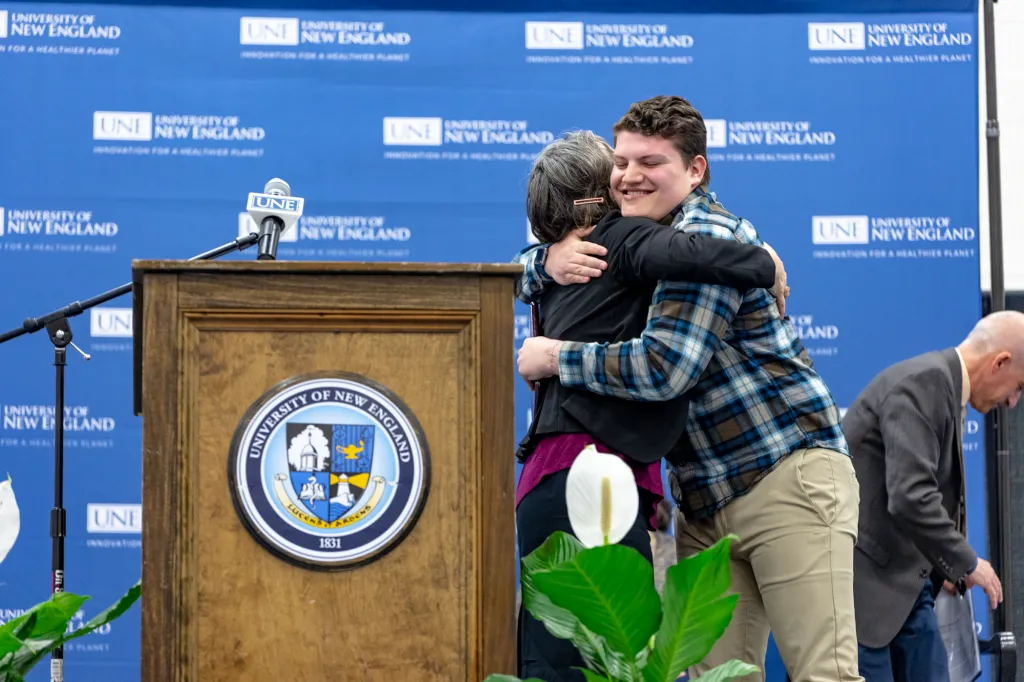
600,595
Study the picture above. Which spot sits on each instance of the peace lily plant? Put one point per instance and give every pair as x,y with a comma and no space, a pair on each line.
32,636
601,595
10,518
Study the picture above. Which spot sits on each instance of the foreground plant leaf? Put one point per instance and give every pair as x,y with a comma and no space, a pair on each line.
31,652
696,612
40,629
48,619
44,628
611,591
559,549
510,678
9,644
730,670
113,611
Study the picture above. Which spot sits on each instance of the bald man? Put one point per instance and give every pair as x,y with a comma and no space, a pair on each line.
905,433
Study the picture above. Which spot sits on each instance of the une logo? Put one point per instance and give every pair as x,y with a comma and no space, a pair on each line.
110,322
114,518
412,131
835,36
840,229
269,31
717,132
275,203
135,126
554,35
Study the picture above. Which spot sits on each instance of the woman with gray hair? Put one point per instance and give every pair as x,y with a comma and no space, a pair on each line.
569,190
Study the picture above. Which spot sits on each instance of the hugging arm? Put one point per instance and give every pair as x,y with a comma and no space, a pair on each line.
535,278
653,252
686,325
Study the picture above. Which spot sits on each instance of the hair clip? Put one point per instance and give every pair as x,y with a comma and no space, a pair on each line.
594,200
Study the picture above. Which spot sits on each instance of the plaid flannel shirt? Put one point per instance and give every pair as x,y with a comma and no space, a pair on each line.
755,396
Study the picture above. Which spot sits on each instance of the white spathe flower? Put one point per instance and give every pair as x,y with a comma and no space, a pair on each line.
10,518
601,495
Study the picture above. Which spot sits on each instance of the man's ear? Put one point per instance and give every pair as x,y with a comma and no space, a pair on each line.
698,165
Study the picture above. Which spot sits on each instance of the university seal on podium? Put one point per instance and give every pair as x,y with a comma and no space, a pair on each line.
329,471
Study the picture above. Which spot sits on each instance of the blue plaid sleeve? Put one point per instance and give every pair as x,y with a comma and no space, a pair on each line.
686,325
535,277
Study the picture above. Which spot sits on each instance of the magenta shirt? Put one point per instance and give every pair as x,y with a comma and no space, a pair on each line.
555,453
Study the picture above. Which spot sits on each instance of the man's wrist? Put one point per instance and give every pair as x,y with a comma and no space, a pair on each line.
972,568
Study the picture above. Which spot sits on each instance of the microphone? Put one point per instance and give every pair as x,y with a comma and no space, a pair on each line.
274,210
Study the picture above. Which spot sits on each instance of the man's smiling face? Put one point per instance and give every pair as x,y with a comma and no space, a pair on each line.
650,177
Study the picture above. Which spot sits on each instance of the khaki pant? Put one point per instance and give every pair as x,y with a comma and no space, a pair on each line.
792,568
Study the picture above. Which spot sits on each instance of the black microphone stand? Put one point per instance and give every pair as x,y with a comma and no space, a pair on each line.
56,324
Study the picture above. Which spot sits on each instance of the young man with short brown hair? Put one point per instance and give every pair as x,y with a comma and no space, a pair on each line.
764,456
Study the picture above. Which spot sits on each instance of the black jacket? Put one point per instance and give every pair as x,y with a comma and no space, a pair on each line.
613,308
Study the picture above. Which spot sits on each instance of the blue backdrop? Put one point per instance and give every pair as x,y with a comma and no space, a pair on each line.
849,139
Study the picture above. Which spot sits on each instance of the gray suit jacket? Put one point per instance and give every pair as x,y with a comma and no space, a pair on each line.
907,447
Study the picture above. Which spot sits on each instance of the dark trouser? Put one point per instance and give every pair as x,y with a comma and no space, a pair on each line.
917,653
541,513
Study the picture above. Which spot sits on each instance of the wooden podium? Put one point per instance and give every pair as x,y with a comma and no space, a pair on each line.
328,471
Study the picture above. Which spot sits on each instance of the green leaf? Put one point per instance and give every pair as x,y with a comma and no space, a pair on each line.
31,652
37,631
591,676
24,626
53,616
48,619
8,645
50,629
610,589
696,612
112,612
558,549
509,678
730,670
41,629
